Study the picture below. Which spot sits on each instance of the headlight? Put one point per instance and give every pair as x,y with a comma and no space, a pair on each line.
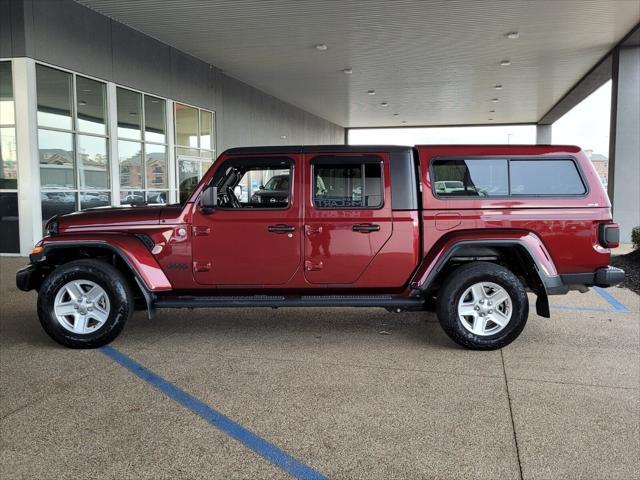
52,226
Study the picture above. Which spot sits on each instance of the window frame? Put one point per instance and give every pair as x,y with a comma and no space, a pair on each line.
362,160
509,158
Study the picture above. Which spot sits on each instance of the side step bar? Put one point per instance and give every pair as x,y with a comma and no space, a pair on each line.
385,301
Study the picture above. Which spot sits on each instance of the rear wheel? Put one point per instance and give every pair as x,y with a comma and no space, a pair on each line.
482,306
84,304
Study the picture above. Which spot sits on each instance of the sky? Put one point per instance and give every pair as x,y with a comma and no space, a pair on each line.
586,125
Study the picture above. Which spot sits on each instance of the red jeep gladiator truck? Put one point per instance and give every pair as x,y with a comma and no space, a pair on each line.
465,231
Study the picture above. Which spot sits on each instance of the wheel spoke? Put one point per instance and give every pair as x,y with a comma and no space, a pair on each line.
478,291
65,309
467,310
499,297
95,294
80,324
74,290
479,324
499,318
99,314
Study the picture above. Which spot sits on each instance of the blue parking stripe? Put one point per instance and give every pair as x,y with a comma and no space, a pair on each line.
583,309
617,306
249,439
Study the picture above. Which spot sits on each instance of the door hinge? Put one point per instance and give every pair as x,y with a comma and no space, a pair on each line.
312,229
201,266
310,266
201,231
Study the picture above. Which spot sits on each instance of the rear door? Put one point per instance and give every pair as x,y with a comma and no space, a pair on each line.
250,239
347,215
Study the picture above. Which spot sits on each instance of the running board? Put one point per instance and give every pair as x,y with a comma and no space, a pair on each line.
275,301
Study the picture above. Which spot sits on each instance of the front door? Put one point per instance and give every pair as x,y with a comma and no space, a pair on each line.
347,215
253,236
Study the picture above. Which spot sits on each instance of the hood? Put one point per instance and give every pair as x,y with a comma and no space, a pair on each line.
117,218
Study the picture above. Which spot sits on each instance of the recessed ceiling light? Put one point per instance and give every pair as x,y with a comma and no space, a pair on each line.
403,121
513,35
495,100
283,136
347,71
82,103
321,47
384,104
396,114
371,92
154,101
133,114
505,63
498,87
491,119
492,111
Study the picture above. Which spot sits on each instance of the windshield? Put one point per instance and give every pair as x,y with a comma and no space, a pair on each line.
277,183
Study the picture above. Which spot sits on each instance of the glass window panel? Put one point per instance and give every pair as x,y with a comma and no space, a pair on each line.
54,98
338,186
91,97
545,177
10,238
206,155
130,159
187,152
132,197
205,166
156,166
154,119
93,162
186,126
471,178
94,199
7,112
56,159
57,203
129,114
157,198
188,177
8,170
206,130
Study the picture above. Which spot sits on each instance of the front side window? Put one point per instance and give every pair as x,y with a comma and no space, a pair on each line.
257,183
347,182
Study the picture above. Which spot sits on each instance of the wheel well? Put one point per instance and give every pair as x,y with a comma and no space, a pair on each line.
56,257
513,257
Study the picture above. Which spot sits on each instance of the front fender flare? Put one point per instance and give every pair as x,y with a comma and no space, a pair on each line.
130,249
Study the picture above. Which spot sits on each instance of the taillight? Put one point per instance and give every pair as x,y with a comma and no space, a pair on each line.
609,235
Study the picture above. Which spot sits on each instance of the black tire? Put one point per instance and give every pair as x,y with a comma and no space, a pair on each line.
454,287
110,279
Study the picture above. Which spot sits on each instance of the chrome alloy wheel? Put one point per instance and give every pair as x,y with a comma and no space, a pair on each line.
81,306
485,308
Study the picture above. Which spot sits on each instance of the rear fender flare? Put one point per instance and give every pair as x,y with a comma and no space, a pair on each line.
545,274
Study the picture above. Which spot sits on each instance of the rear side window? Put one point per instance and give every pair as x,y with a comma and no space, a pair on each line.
347,182
471,178
545,177
495,177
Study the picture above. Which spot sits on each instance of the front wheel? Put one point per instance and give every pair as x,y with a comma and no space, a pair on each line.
84,304
482,306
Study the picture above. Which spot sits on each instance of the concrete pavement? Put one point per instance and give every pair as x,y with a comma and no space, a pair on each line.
329,387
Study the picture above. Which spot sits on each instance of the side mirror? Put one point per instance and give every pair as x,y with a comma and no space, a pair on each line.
209,198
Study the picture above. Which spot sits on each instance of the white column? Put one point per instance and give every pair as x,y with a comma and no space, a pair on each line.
624,165
29,202
543,134
171,153
114,165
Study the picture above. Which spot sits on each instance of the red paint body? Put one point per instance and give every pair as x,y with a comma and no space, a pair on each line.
231,250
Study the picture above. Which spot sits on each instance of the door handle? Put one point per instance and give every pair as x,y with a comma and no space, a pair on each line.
366,228
281,228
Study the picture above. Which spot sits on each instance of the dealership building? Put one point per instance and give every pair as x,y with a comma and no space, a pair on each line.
124,103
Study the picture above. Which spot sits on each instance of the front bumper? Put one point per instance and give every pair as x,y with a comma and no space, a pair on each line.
25,277
603,277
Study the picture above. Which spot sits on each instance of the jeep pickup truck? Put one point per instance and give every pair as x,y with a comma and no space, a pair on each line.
465,231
